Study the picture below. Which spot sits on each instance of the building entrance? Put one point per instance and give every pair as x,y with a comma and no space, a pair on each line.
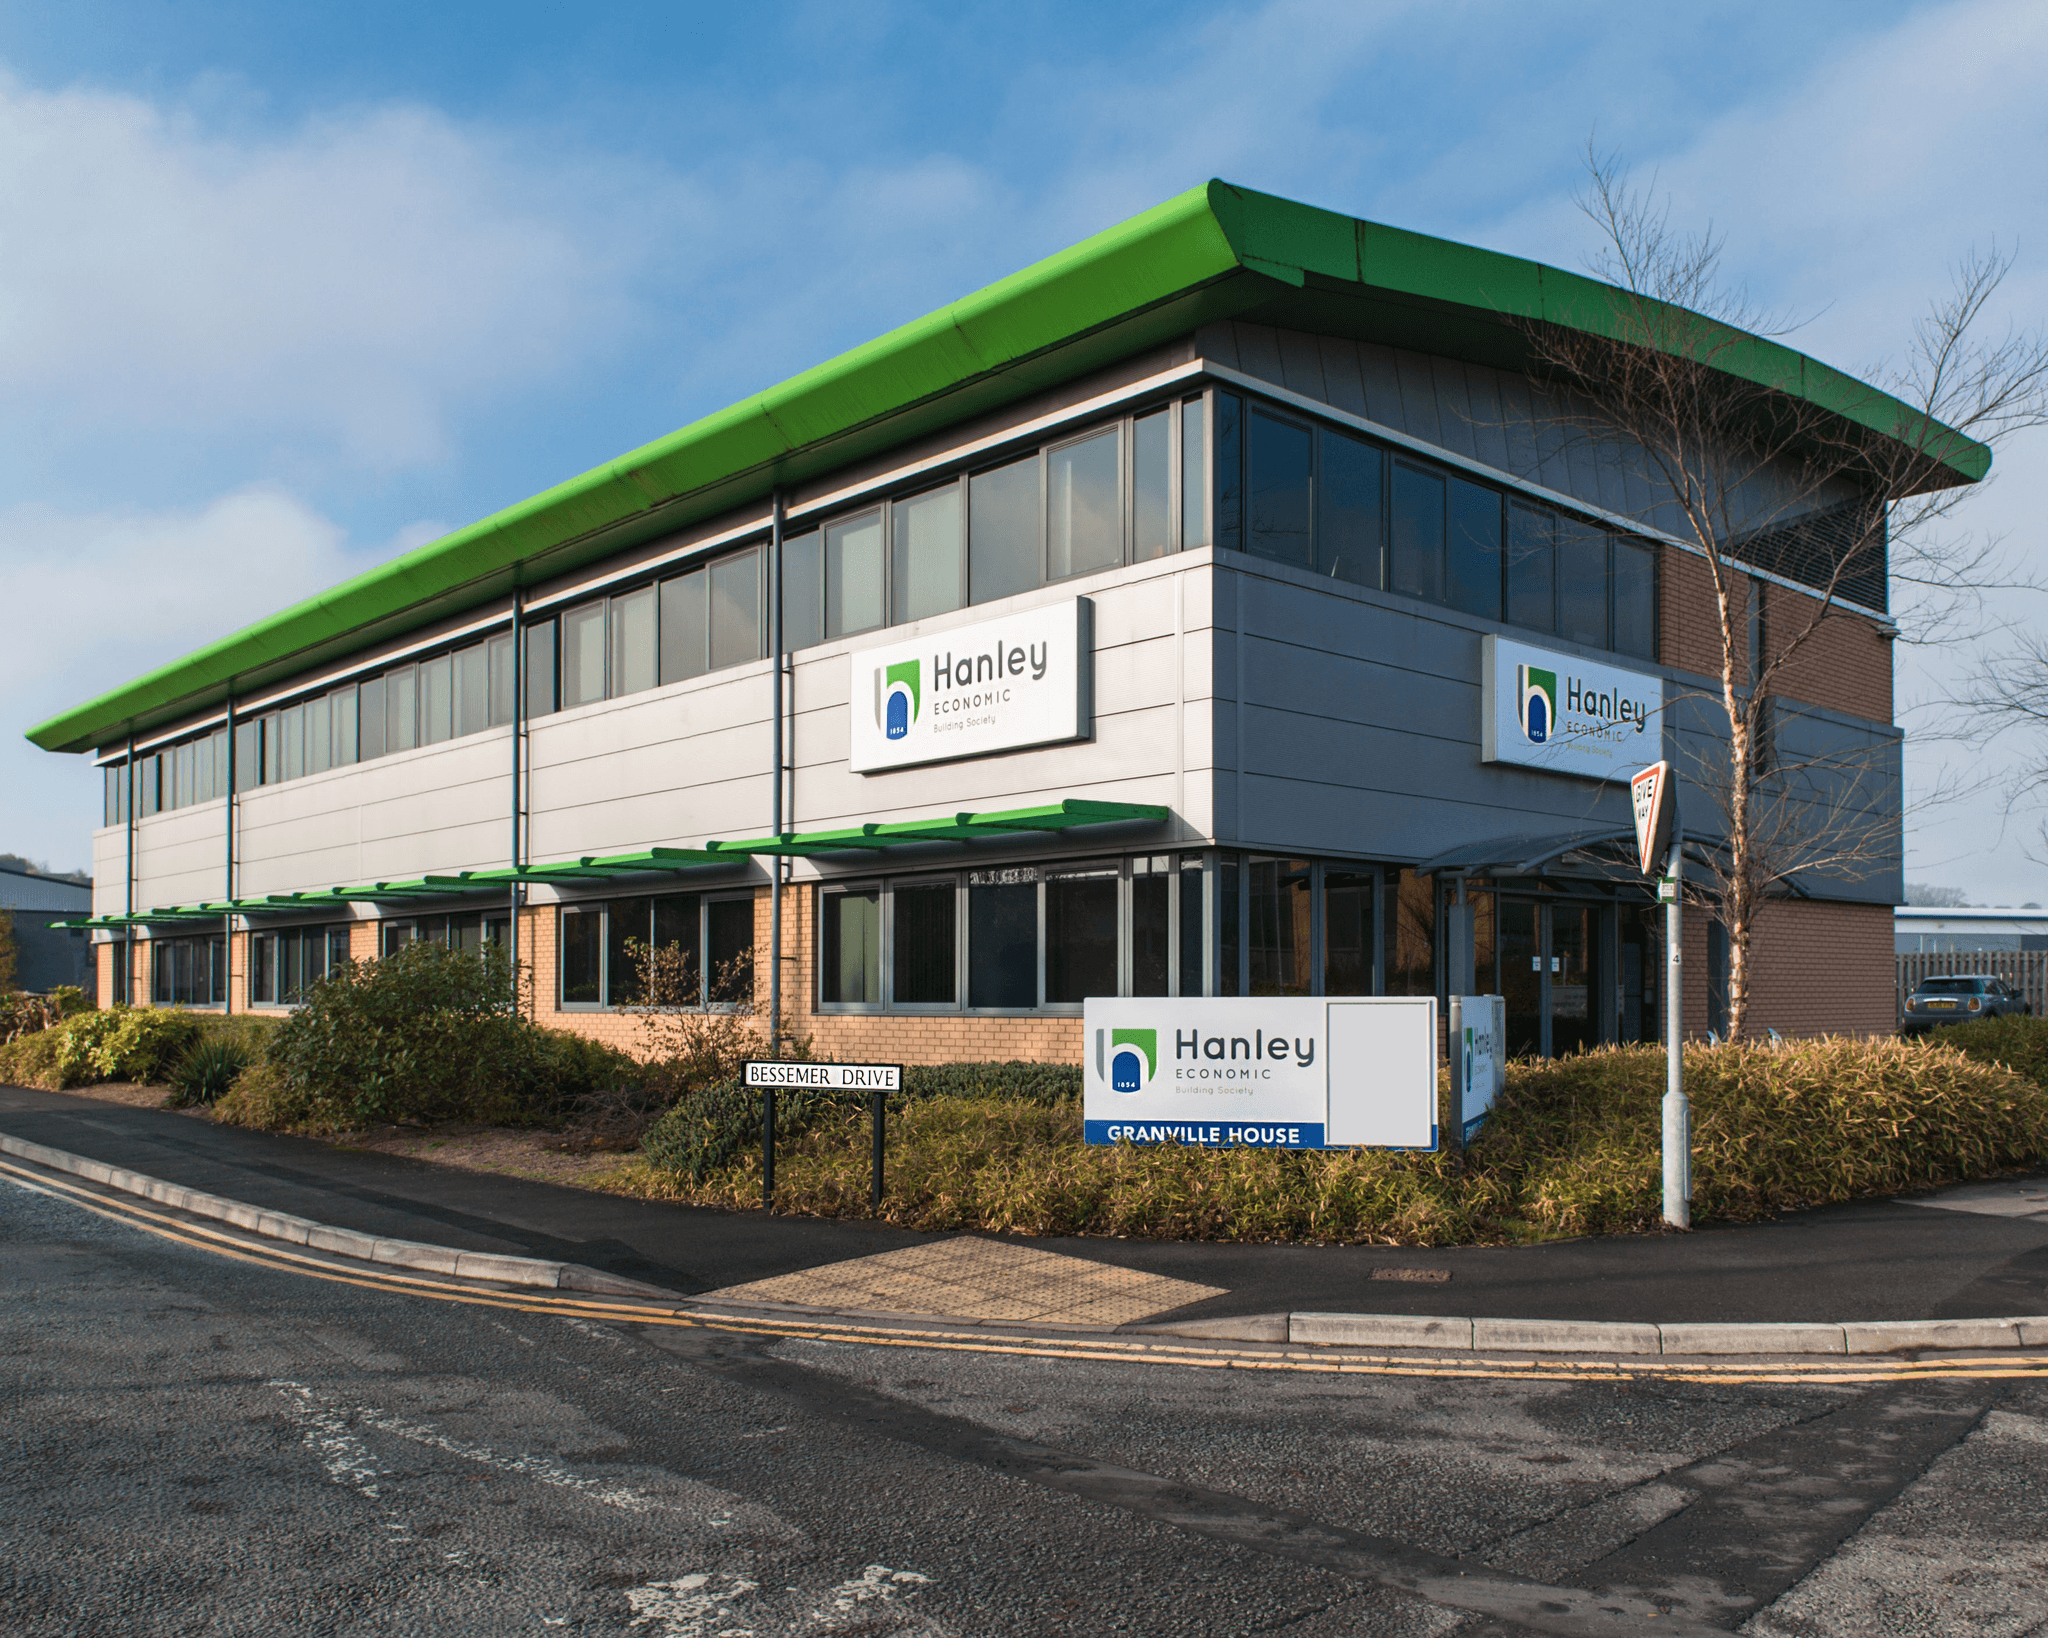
1552,968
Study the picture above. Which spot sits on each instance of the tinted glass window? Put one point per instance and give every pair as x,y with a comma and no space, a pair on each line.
1151,933
291,728
1194,476
1002,938
1581,583
582,956
1191,926
1278,493
679,935
685,626
1348,513
923,945
583,655
1347,932
1411,935
850,960
1080,934
437,699
472,689
499,681
853,575
540,669
1281,908
401,709
1474,559
1229,471
1151,486
1084,512
319,735
249,749
346,735
803,590
736,609
633,656
1002,516
1532,567
729,926
628,930
1635,599
925,555
1416,561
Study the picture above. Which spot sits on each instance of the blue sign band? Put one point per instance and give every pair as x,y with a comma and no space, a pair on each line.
1206,1134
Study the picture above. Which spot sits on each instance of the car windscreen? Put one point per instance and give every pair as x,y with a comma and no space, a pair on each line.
1949,986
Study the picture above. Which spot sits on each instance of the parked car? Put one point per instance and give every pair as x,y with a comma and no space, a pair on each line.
1958,998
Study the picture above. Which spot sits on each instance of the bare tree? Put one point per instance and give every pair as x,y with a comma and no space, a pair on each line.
1775,490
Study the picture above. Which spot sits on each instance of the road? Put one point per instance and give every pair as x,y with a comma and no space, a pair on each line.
203,1444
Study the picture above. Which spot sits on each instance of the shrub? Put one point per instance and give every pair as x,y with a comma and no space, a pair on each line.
124,1044
1571,1148
2021,1044
205,1073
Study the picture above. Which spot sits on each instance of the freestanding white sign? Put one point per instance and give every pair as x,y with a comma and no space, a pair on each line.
1283,1072
1483,1021
998,685
1554,711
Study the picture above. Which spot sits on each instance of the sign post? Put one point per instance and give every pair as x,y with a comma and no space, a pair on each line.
1659,843
767,1074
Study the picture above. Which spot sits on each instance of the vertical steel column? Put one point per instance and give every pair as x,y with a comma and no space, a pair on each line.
1677,1114
515,889
228,916
128,891
776,816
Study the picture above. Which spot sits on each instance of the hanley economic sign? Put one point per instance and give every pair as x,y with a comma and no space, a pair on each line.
1283,1072
999,685
1566,715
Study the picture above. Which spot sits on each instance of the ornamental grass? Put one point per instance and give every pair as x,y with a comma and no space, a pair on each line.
1572,1149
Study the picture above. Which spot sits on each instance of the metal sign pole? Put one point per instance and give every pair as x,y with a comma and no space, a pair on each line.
768,1149
1677,1113
878,1109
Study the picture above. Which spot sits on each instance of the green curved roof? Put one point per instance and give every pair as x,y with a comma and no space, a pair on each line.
1215,252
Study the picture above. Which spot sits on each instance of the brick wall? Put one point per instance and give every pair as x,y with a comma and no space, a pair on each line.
1817,969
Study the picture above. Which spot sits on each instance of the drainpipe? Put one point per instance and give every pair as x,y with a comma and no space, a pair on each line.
775,860
517,893
227,948
128,890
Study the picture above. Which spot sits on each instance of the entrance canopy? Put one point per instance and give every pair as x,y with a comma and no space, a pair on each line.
1604,852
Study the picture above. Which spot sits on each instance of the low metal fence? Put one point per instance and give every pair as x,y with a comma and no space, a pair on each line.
2025,970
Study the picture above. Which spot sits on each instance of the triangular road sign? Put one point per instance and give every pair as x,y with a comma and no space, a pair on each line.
1654,796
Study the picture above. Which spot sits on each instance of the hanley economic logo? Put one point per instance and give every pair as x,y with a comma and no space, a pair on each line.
897,698
1537,690
1133,1058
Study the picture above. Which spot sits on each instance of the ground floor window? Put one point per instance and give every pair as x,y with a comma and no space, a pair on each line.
189,972
121,974
696,948
1014,938
452,932
285,964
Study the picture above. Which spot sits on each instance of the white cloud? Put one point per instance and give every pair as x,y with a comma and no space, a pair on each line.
360,279
98,598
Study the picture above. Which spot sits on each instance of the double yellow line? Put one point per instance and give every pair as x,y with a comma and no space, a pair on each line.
1821,1371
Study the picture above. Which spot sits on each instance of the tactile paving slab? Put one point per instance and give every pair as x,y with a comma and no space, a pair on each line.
977,1279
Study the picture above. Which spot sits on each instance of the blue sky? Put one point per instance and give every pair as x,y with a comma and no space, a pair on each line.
290,288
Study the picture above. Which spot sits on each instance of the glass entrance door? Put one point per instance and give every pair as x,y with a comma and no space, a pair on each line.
1521,975
1574,976
1550,975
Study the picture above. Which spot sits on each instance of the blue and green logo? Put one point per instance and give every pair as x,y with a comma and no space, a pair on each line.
1133,1058
897,698
1537,690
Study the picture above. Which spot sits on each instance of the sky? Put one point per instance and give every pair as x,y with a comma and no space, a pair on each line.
287,290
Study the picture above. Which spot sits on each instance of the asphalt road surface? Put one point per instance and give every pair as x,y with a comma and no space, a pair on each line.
192,1443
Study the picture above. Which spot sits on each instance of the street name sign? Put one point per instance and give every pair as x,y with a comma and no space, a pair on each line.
777,1073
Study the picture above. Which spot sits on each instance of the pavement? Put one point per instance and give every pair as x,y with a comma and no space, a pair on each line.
1977,1252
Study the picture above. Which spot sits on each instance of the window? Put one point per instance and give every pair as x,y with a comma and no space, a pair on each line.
472,689
347,727
1084,511
542,684
736,608
1192,934
189,972
602,963
1080,932
291,728
249,753
1002,938
925,555
1416,561
1151,486
370,717
1411,935
401,708
1151,924
1229,942
1635,599
634,661
729,947
1347,931
1475,549
686,626
437,699
285,965
1279,517
850,956
1581,583
1348,517
1532,566
1229,471
1194,476
582,955
1003,536
499,680
583,656
921,966
803,590
853,575
1281,920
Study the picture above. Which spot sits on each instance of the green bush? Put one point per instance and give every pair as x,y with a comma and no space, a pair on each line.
124,1044
205,1074
1571,1148
2021,1044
